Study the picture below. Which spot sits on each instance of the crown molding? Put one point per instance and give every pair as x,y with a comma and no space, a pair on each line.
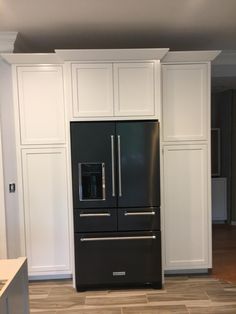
31,58
191,56
111,54
7,40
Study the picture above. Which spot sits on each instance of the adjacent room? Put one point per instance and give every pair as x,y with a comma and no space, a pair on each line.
117,157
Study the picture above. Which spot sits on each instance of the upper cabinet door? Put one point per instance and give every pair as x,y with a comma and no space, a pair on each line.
134,87
185,102
41,104
92,90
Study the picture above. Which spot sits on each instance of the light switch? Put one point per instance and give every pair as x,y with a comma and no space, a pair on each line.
12,188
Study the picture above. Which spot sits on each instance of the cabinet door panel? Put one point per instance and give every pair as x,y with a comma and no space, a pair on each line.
186,207
41,104
134,85
92,90
46,210
185,102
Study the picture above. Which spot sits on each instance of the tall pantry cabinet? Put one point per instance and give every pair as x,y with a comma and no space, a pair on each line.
186,167
42,187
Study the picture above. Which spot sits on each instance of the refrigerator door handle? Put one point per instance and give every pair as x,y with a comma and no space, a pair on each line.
119,165
113,166
118,238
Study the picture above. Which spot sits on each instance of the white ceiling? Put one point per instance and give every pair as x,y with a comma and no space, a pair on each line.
45,25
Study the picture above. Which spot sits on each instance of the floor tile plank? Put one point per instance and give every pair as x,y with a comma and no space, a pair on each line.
115,300
164,309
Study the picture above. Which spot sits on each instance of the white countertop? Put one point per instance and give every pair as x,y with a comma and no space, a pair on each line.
8,270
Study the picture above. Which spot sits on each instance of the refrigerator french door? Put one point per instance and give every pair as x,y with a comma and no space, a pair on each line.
138,164
116,199
93,164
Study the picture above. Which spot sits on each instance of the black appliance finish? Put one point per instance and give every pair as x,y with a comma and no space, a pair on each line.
116,200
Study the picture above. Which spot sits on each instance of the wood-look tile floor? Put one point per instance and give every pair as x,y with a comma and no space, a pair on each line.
180,295
194,295
224,252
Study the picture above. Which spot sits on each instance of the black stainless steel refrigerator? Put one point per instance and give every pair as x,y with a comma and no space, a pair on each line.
116,200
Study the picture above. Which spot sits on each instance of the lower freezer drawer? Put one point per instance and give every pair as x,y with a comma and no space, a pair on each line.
117,259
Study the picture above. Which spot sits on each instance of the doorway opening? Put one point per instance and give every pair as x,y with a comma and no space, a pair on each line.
223,154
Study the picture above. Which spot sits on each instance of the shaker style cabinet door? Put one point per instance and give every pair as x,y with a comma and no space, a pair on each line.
185,101
41,104
46,210
186,214
134,88
92,90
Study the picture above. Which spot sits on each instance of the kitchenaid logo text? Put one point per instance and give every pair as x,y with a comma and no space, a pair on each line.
119,273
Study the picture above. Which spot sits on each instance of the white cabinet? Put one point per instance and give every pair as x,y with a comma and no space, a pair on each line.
134,87
46,210
92,90
43,170
185,103
40,96
35,134
186,215
14,294
115,90
186,190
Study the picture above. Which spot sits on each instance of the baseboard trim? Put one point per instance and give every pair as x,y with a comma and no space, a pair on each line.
186,271
50,277
218,222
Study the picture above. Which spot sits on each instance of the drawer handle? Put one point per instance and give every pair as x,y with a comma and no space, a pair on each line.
139,213
118,238
96,215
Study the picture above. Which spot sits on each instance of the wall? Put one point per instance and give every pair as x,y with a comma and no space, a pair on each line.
224,117
7,40
9,160
3,238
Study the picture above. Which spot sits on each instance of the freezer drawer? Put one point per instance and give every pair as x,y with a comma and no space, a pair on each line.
95,220
117,259
138,219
